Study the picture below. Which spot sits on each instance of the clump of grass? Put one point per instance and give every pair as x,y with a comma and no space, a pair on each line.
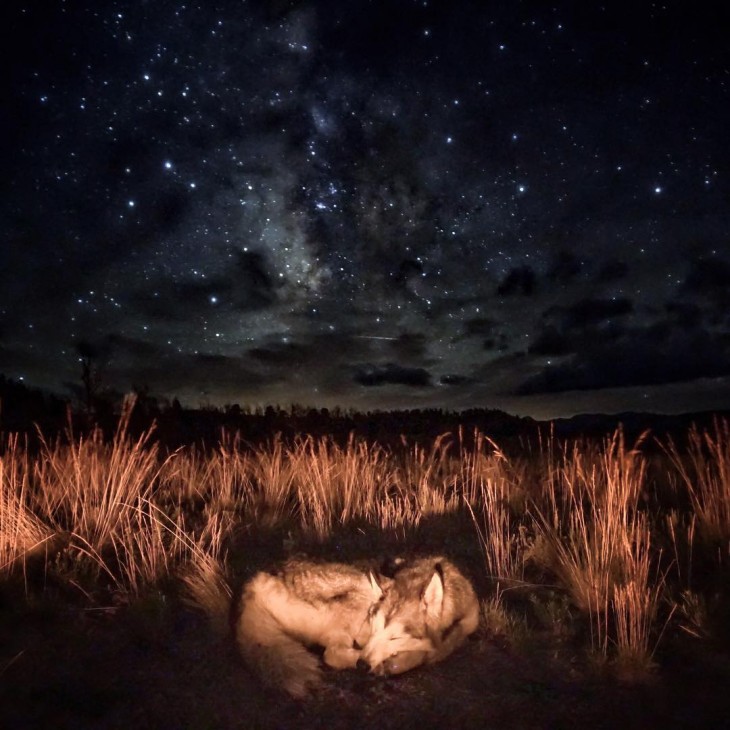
428,474
502,623
21,532
148,547
552,610
694,615
90,489
206,587
597,542
204,574
635,601
334,486
273,479
704,470
489,485
100,498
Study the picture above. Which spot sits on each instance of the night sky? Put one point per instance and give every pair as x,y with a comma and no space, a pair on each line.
396,204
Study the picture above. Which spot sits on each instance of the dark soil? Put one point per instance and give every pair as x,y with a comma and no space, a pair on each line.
157,664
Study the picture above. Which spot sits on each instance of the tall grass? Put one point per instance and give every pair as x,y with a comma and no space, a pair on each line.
597,541
21,531
336,486
704,472
91,489
493,492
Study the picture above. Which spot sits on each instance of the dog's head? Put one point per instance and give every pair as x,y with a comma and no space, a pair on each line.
404,622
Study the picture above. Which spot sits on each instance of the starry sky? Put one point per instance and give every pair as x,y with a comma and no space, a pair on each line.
372,204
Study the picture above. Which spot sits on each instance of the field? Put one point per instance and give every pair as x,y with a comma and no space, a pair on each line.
603,567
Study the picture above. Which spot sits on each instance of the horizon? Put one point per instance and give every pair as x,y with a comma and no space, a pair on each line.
117,398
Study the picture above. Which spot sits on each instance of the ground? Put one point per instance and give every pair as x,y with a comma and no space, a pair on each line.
158,664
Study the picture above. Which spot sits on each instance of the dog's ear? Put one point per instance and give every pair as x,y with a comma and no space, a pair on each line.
433,596
375,586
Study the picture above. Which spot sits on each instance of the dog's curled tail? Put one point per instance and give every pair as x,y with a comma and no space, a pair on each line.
283,664
279,658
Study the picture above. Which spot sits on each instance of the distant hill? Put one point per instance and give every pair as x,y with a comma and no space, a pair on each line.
24,409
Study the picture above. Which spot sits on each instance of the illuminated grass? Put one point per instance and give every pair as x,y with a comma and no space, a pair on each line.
121,515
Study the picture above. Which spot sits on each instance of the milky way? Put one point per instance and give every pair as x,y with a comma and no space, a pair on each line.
372,204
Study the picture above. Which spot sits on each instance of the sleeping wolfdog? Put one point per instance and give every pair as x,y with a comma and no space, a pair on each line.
387,625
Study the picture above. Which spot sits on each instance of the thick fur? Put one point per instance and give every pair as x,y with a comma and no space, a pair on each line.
306,604
426,612
388,625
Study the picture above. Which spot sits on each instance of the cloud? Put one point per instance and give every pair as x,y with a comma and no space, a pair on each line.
520,280
709,279
409,345
653,356
391,374
494,333
455,379
551,342
283,354
252,286
581,325
245,286
205,372
591,312
481,326
565,267
612,270
684,314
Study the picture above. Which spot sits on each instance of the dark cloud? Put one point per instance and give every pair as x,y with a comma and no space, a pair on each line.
709,279
176,371
245,286
392,374
612,270
654,356
499,342
252,285
454,379
479,327
520,280
409,346
494,333
565,267
584,324
284,354
121,345
166,209
685,314
407,269
551,342
588,313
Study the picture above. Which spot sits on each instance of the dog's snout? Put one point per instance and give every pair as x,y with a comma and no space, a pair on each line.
362,665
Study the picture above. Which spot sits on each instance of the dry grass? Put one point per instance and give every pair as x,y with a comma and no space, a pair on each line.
597,541
120,513
704,472
491,484
21,531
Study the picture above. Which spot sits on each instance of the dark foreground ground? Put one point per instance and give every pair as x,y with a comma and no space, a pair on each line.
155,665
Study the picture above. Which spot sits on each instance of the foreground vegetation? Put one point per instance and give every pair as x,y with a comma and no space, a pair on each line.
614,545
